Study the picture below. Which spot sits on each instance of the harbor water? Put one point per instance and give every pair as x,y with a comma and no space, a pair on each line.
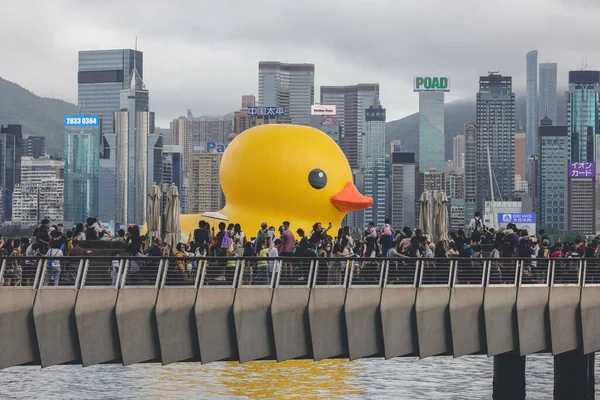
402,378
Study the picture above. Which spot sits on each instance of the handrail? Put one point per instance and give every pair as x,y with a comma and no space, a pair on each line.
319,272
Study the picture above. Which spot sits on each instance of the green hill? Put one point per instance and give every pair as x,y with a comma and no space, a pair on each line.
41,116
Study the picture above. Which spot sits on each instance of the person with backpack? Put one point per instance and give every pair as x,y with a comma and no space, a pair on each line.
53,264
476,227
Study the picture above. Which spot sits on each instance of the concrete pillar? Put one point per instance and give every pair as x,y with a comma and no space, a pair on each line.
592,376
509,377
572,378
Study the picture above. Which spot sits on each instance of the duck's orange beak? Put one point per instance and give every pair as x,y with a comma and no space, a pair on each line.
350,199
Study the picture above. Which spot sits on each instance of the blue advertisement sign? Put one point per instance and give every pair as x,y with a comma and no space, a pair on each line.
266,111
215,147
80,120
508,218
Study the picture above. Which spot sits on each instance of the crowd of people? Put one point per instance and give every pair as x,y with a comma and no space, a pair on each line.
230,241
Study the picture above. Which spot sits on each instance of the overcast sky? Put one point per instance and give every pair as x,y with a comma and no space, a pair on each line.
204,54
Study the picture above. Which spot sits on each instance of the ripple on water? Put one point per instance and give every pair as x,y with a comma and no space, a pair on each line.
433,378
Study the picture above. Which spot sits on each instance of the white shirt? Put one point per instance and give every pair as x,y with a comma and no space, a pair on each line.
55,253
273,252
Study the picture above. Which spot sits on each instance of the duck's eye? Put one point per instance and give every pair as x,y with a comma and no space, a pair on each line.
317,178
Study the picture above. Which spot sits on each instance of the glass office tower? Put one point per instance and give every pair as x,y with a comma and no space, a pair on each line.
374,165
82,166
553,177
291,86
10,165
583,111
101,76
431,132
547,92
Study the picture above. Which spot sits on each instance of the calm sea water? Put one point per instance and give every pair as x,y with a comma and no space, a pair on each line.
402,378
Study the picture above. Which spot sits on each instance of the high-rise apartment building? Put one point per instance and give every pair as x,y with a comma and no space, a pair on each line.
205,192
470,169
177,128
455,185
33,146
403,190
101,77
431,132
547,92
291,86
82,165
10,165
35,201
37,170
496,138
351,103
137,152
531,102
374,164
458,153
395,146
553,186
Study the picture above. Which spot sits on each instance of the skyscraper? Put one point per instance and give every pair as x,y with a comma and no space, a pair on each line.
531,105
101,76
351,103
553,177
583,114
547,92
138,152
374,164
403,190
431,132
470,170
458,151
583,120
10,165
291,86
82,151
496,138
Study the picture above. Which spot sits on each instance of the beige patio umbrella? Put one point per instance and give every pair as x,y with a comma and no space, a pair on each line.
441,227
171,218
425,213
153,216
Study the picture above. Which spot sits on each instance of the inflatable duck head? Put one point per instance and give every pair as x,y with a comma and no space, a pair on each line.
274,173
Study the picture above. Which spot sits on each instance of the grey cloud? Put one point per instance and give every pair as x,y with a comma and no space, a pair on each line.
204,54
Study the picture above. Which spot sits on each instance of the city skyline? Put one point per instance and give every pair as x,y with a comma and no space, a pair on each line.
231,65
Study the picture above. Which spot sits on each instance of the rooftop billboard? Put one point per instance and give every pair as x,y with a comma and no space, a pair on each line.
431,84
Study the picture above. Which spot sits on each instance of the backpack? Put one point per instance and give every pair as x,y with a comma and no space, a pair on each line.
525,249
90,233
478,226
226,241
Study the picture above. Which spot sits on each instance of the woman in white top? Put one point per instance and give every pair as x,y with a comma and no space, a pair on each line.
239,238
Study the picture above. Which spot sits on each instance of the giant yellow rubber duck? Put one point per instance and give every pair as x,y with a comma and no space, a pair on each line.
279,172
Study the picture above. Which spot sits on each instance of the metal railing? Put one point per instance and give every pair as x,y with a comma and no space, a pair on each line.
90,272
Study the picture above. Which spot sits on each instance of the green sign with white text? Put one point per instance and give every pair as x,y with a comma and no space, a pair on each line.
431,84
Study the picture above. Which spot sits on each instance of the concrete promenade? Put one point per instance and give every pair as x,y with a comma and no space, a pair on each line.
372,308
